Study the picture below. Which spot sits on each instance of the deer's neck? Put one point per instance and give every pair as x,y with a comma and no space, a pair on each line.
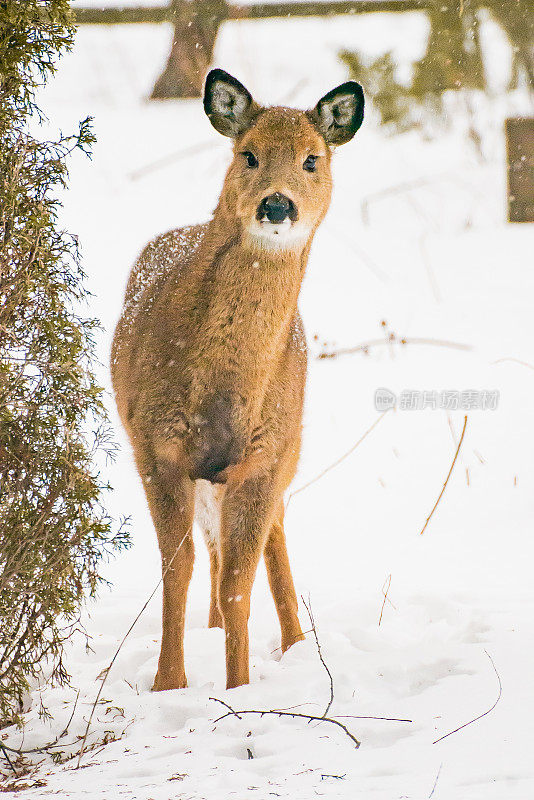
246,299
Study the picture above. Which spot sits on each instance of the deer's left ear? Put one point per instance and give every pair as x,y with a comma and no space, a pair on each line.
228,104
338,115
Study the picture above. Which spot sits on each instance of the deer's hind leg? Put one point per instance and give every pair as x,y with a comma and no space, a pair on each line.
281,583
170,496
215,619
246,518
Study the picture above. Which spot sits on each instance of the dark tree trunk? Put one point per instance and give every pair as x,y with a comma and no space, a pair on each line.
516,17
196,23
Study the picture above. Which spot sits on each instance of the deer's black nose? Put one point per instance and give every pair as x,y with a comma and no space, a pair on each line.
276,207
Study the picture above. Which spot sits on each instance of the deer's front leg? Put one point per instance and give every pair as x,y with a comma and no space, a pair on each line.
170,498
246,518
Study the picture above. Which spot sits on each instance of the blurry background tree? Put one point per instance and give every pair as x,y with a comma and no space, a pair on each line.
196,23
53,529
453,61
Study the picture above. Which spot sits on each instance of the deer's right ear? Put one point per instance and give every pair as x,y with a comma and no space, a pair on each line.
228,104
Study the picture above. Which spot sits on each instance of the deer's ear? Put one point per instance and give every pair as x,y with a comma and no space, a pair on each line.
228,104
338,115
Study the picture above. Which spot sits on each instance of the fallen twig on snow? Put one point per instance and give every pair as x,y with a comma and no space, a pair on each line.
232,712
293,715
435,782
367,716
385,590
448,476
480,716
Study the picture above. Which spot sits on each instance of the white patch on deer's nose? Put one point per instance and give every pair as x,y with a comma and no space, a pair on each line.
277,235
275,228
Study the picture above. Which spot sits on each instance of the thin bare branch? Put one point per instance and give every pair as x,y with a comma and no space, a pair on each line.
292,715
308,607
289,96
480,716
447,478
340,459
385,590
364,347
296,639
171,158
427,263
338,232
366,716
230,709
4,750
513,361
435,782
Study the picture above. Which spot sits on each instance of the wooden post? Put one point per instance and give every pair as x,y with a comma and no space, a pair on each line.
196,23
520,146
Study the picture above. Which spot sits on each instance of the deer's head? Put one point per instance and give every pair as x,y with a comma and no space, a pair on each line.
278,186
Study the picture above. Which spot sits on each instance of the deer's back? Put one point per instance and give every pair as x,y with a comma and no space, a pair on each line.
165,259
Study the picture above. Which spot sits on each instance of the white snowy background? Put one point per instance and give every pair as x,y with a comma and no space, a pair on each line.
434,261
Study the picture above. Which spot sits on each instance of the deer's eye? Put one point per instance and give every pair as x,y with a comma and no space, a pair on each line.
310,163
251,159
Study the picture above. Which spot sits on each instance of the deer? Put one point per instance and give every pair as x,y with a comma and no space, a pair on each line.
209,363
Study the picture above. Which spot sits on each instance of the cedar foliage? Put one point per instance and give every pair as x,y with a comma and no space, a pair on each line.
53,528
453,62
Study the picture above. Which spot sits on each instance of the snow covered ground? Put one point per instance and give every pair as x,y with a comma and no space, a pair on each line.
435,261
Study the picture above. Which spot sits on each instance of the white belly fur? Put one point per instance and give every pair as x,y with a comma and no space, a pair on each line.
208,499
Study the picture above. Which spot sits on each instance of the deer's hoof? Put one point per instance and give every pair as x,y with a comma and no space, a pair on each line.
291,640
162,684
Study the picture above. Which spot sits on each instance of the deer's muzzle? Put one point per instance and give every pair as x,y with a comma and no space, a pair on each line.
277,208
